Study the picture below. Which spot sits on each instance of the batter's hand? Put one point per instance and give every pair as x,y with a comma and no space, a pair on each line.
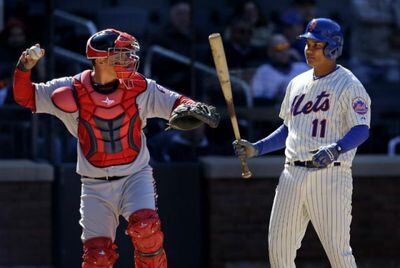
26,62
326,155
244,149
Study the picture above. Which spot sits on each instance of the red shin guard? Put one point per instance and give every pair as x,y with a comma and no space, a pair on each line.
145,230
99,252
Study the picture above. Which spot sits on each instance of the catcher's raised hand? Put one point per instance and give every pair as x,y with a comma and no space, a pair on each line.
244,149
30,57
190,116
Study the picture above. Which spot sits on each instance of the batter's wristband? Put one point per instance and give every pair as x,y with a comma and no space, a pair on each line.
258,146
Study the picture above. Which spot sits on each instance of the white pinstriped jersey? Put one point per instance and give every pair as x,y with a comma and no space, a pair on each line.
155,101
321,111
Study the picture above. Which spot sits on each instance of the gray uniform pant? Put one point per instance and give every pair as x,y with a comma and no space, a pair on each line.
102,202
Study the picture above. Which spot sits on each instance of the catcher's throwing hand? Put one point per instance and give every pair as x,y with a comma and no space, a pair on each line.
191,116
244,149
326,155
30,57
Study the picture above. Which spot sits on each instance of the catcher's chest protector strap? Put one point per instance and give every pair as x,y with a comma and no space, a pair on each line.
109,128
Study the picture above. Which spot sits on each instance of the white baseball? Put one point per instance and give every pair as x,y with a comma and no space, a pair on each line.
35,52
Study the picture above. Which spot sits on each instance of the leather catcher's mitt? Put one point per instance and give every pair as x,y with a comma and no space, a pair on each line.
191,116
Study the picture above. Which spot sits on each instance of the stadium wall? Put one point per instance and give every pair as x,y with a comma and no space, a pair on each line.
212,218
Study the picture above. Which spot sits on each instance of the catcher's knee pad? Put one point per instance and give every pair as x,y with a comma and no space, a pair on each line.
99,252
145,230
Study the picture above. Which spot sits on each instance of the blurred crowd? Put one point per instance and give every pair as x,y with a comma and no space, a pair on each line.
261,48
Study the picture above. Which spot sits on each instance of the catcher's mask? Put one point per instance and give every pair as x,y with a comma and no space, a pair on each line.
120,50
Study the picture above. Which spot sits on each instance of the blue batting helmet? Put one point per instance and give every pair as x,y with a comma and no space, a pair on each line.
326,30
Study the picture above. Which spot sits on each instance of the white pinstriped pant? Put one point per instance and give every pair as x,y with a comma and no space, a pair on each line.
320,195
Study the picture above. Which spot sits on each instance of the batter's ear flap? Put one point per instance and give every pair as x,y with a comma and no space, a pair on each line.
334,48
63,98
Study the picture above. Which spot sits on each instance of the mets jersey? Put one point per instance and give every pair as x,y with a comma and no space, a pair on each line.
319,111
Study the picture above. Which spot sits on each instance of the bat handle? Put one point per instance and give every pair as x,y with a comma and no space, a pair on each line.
246,173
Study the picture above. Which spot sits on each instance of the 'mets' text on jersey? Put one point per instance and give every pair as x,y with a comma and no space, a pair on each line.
321,111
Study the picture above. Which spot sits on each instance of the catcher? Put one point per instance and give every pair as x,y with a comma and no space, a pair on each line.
106,109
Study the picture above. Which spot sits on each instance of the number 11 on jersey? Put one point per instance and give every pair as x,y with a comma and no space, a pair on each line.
315,124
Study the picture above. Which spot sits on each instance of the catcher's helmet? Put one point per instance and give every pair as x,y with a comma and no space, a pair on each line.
118,47
326,30
102,44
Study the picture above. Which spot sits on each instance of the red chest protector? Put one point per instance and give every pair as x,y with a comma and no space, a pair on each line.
109,128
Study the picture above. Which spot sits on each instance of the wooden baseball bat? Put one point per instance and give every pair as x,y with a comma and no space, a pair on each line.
221,66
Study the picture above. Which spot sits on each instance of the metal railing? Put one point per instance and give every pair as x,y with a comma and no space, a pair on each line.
65,53
78,21
79,59
197,65
392,145
18,130
88,24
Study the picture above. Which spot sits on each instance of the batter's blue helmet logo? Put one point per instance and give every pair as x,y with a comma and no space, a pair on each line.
311,28
326,30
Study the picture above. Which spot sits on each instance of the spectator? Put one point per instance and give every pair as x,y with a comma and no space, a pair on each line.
250,11
15,125
306,8
177,35
374,45
13,39
271,79
238,49
180,146
292,25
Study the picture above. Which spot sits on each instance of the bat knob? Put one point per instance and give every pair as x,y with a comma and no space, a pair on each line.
247,174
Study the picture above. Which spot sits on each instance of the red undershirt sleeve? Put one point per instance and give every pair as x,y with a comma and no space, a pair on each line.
182,100
24,90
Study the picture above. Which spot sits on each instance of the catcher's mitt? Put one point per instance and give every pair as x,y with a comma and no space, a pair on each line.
191,116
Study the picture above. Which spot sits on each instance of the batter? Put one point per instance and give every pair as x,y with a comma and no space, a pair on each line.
326,115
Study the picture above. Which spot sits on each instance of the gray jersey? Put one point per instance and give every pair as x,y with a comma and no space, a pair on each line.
155,101
321,111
